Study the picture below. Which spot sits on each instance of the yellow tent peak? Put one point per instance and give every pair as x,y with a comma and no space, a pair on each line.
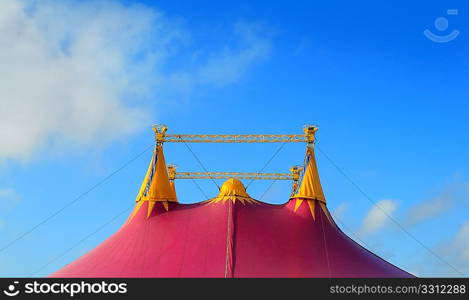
310,187
156,186
233,190
160,188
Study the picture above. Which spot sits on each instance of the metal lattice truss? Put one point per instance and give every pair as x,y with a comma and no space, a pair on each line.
295,172
162,137
234,138
237,175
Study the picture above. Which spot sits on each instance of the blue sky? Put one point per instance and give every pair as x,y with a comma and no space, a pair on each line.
82,83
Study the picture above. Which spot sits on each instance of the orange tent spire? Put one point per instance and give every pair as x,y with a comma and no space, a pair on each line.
156,186
233,190
310,189
160,189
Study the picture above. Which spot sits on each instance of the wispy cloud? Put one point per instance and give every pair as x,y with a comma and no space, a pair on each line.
457,249
452,195
66,72
8,200
340,210
376,219
456,252
231,63
84,72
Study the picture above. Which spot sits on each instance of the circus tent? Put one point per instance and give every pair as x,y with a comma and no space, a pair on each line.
230,235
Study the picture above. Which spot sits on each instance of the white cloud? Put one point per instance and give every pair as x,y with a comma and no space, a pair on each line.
458,247
8,200
453,250
456,252
340,210
452,195
8,197
376,219
228,65
460,244
65,72
77,73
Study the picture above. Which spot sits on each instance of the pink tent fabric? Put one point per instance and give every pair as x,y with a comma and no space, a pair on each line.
230,239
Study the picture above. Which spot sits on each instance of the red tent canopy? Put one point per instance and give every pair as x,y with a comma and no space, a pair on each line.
231,235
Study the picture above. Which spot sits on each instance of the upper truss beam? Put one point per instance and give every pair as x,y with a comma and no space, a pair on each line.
162,137
234,138
237,175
